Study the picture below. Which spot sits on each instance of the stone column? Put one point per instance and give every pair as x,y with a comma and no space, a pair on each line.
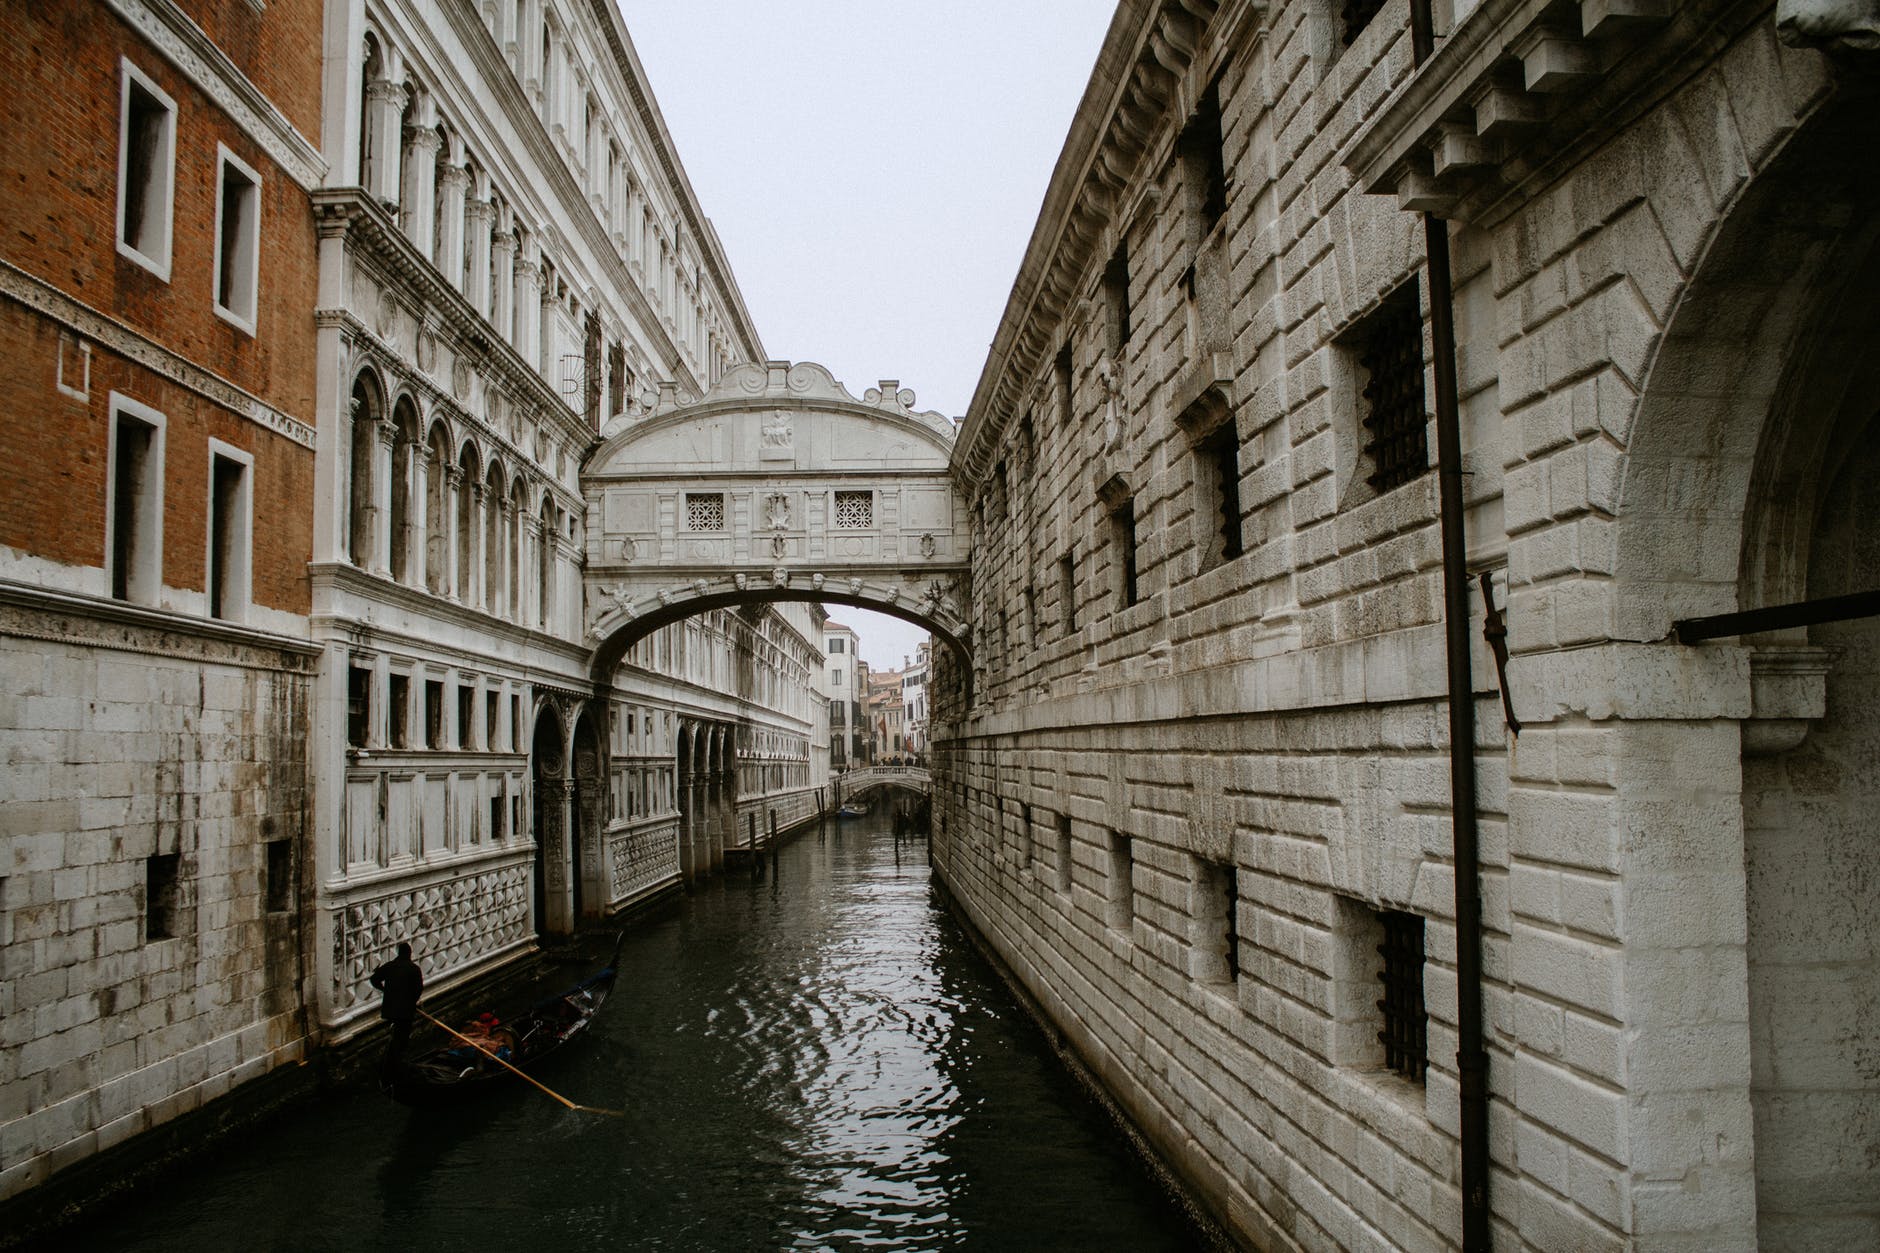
448,250
503,276
453,484
499,595
477,594
550,331
418,513
385,106
418,206
528,288
382,539
478,215
529,609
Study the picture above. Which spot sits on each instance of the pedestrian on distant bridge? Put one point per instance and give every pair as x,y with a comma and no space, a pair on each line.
400,984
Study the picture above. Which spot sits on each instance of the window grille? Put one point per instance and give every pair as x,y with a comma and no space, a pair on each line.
1405,1022
162,897
1123,537
1116,295
1220,465
705,512
280,875
1355,16
1392,355
855,511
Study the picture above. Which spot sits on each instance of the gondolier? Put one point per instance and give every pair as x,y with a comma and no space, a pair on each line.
400,984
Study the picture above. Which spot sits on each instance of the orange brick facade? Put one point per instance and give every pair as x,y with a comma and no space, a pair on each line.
60,170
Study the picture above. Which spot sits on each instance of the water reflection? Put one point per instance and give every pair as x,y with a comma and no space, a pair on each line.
811,1060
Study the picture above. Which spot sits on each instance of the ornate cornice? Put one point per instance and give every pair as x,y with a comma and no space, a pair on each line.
1140,72
54,616
48,301
184,44
1522,90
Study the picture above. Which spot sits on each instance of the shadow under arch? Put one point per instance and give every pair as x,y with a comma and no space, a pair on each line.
620,631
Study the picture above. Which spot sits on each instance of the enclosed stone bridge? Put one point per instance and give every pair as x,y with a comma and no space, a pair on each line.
776,485
851,783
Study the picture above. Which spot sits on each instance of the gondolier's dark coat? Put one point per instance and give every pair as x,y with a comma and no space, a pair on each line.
402,983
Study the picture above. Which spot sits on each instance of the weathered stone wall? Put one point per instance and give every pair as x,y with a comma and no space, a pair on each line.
1643,441
124,746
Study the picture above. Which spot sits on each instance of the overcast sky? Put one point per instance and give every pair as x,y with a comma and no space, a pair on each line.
874,169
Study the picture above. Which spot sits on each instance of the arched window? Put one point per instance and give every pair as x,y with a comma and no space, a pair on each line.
494,585
436,511
365,420
467,524
404,469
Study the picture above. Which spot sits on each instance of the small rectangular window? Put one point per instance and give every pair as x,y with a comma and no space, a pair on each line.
146,170
496,817
1204,168
1067,590
835,678
230,517
491,704
1064,852
1025,835
1121,886
1406,1024
434,713
135,524
1063,375
1389,345
162,896
835,646
1116,296
1217,476
855,511
1123,551
358,705
1215,911
704,511
398,710
1354,16
280,875
466,716
237,240
515,723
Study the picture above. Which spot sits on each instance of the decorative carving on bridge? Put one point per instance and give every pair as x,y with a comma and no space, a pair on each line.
777,430
928,545
777,511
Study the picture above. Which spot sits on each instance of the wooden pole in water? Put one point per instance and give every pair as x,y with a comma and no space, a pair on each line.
592,1109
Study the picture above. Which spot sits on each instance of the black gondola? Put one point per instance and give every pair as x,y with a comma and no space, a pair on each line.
458,1070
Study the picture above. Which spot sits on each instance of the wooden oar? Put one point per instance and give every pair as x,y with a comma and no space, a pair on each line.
591,1109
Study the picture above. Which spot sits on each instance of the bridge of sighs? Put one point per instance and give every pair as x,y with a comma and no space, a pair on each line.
776,485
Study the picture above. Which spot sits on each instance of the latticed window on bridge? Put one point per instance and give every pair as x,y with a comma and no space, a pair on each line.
1405,1022
855,511
704,511
1391,351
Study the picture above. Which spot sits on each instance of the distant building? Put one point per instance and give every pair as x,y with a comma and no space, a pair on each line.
841,683
916,680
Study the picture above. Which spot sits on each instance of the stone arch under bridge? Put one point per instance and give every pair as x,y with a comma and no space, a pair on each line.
776,485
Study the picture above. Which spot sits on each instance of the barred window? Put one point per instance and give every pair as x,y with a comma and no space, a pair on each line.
1390,348
1405,1021
1354,17
705,511
855,511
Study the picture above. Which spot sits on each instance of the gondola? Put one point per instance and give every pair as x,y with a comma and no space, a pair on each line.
854,809
458,1071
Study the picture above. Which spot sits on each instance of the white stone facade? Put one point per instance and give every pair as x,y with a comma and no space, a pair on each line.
1206,774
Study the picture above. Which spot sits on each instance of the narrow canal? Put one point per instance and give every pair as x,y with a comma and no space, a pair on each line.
814,1060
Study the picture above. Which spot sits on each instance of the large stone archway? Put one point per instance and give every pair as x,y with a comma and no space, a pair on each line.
776,485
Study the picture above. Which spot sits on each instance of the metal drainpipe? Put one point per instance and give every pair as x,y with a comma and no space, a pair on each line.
1471,1056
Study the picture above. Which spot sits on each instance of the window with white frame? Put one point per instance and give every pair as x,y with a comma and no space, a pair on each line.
237,239
146,170
134,521
231,518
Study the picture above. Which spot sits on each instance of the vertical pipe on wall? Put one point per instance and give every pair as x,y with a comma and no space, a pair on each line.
1471,1056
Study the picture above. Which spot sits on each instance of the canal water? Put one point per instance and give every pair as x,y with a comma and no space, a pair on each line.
814,1060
